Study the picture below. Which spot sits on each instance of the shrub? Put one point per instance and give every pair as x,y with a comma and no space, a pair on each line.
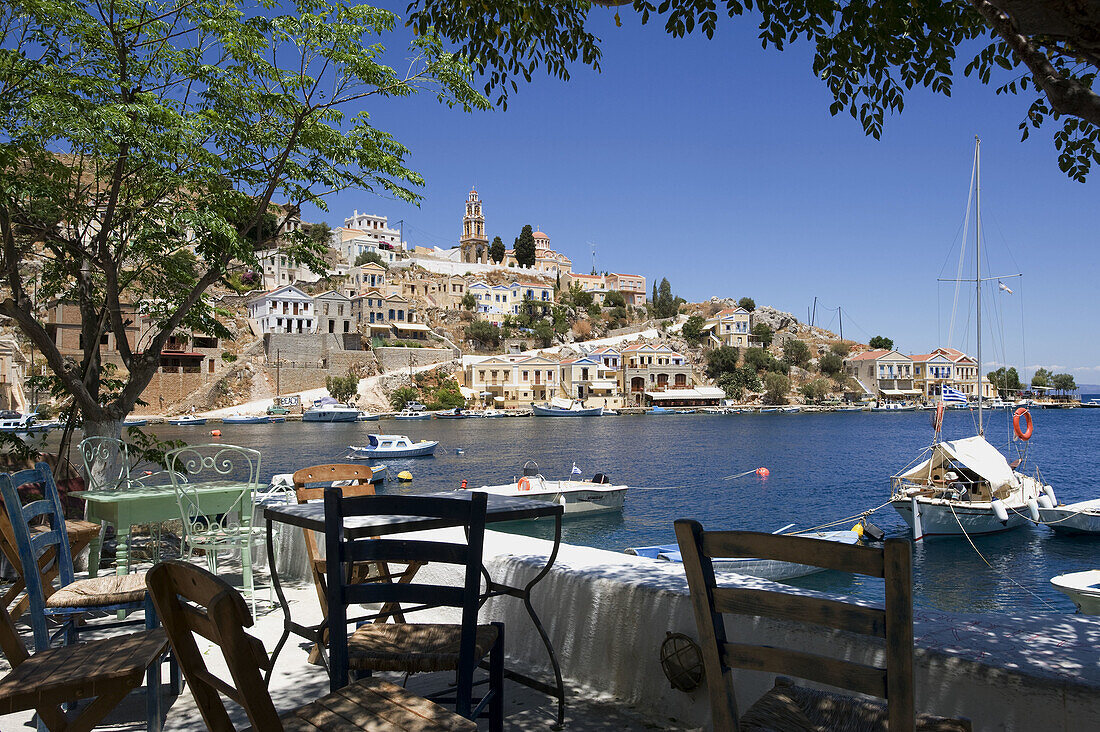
483,333
748,303
582,330
614,299
831,364
469,302
776,388
721,360
692,329
841,348
343,388
796,353
402,396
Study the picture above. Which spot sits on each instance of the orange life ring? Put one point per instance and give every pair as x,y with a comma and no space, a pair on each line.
524,484
1022,413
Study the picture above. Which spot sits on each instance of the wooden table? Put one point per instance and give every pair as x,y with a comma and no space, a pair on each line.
148,505
500,509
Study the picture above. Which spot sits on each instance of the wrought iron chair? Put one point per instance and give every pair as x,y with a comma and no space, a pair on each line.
414,647
193,601
72,601
219,520
788,706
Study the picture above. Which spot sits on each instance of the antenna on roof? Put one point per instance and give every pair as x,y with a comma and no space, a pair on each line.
593,245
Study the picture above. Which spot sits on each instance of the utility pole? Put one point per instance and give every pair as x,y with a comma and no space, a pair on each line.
401,232
814,315
841,311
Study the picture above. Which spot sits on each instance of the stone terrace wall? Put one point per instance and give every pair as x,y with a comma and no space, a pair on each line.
395,359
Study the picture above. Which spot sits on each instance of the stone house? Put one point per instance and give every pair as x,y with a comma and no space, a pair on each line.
333,311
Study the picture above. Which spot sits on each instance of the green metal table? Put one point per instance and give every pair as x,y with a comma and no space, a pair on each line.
150,505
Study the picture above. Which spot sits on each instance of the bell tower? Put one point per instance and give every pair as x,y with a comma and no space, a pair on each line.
474,244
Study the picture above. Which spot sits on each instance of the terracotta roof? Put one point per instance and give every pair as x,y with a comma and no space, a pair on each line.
731,311
575,275
540,235
870,355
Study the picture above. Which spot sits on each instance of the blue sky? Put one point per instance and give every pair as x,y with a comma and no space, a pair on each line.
716,164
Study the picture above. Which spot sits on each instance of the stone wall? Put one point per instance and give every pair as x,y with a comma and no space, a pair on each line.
172,386
395,359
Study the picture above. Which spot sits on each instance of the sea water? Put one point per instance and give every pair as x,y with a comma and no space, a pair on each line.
823,468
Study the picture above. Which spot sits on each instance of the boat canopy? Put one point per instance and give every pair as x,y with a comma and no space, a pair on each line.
972,453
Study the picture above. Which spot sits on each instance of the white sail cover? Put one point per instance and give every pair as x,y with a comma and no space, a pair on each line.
975,454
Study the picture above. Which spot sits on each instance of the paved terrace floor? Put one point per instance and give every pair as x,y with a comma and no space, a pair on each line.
296,682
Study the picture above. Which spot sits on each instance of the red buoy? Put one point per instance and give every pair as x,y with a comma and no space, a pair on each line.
763,472
215,433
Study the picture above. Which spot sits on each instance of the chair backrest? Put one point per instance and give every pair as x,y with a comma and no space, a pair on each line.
466,509
326,475
189,601
892,562
106,463
195,465
34,546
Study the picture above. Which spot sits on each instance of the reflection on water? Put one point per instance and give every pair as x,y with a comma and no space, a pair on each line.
824,467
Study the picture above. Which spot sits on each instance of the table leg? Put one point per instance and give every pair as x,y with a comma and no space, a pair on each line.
282,602
122,548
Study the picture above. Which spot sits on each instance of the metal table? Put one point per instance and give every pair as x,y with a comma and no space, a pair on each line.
500,509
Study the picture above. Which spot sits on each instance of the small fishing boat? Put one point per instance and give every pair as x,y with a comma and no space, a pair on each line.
793,409
493,413
392,446
327,409
768,410
246,419
1074,518
850,409
187,419
15,422
456,413
766,568
367,417
565,408
685,411
134,422
412,414
661,410
579,497
1081,587
894,407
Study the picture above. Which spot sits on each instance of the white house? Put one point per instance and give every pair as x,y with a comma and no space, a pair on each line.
284,310
280,269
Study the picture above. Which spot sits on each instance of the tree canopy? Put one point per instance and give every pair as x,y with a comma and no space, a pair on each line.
867,53
664,304
1005,381
143,144
364,257
525,247
1042,378
764,334
1064,383
881,342
497,250
747,303
343,388
722,360
796,352
692,329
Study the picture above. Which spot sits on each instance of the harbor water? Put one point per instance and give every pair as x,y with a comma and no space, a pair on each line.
823,468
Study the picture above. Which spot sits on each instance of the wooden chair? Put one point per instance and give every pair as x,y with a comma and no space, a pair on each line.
359,478
415,647
105,670
72,601
193,601
793,707
80,535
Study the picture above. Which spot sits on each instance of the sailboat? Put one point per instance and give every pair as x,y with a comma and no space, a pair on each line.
966,486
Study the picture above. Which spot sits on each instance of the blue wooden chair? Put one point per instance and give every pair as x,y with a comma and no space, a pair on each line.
38,528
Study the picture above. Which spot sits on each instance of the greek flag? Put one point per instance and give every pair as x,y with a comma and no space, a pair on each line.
575,470
952,396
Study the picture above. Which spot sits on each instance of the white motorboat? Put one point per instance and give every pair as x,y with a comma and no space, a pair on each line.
412,414
579,497
367,417
392,446
1083,588
246,419
284,482
766,568
1074,518
187,419
493,413
565,408
894,407
15,422
328,409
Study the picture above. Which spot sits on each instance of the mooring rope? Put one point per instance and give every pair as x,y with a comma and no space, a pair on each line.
853,517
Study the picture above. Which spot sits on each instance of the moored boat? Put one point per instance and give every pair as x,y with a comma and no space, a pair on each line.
187,419
328,409
246,419
456,413
367,417
565,408
578,497
15,422
412,414
392,446
1081,587
1075,518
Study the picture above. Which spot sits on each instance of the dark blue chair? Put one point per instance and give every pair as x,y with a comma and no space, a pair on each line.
39,528
414,647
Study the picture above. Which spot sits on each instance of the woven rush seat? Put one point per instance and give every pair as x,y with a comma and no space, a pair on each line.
413,647
791,708
373,704
99,591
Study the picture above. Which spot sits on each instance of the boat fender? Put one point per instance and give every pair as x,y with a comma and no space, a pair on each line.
524,484
872,532
858,530
1049,491
405,476
1022,415
463,484
999,510
1044,501
215,433
1033,509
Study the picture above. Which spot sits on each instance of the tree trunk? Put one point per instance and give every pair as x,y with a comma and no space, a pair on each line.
105,465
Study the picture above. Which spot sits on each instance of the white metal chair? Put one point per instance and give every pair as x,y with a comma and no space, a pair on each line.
216,503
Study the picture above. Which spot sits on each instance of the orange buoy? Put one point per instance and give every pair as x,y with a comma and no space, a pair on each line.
763,472
1022,415
215,433
463,484
524,484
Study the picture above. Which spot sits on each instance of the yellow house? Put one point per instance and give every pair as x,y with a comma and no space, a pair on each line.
730,327
594,379
510,382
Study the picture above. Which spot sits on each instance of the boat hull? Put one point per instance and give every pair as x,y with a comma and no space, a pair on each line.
1081,587
329,415
938,517
368,453
543,411
197,421
1076,518
577,497
246,420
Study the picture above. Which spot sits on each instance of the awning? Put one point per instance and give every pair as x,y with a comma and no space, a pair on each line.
699,392
467,392
972,453
411,327
901,392
379,326
603,384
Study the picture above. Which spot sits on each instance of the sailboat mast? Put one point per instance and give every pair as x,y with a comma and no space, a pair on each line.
978,271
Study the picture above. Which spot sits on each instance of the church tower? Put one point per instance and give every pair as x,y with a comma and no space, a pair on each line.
474,244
